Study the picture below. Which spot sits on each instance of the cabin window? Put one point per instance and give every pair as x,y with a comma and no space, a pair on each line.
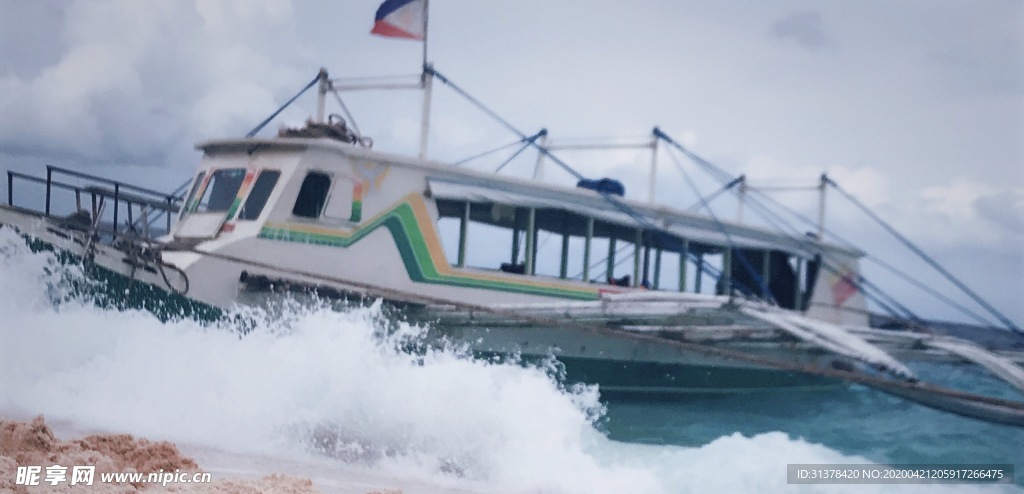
192,193
340,203
220,192
569,245
312,195
257,199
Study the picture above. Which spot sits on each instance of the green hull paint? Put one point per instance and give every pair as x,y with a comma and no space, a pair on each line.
655,378
108,289
662,378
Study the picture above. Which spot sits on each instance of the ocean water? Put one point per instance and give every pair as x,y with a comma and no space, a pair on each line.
337,388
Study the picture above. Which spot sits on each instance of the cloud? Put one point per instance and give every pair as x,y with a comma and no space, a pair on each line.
869,185
139,82
32,24
964,213
930,90
1004,209
804,27
956,200
797,183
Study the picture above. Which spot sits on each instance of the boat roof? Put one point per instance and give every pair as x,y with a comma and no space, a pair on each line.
452,183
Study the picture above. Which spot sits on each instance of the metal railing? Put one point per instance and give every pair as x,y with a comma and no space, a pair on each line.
99,190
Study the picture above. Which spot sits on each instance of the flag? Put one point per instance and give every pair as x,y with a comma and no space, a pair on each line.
845,286
401,19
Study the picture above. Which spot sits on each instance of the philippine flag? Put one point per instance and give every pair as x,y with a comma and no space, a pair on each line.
845,286
401,19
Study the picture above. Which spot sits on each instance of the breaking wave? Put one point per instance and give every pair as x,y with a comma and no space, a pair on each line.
342,386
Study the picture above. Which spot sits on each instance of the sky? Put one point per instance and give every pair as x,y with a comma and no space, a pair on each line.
915,107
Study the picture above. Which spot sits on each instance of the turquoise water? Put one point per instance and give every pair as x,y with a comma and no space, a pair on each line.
854,421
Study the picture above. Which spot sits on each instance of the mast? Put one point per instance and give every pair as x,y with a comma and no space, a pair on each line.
821,207
427,83
652,177
321,94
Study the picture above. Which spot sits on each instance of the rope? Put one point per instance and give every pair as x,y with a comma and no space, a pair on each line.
762,284
160,265
642,221
603,261
142,254
938,267
430,70
348,114
766,211
714,195
870,290
876,294
267,120
910,390
526,143
485,153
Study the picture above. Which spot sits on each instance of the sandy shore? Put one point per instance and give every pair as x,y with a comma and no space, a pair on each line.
25,443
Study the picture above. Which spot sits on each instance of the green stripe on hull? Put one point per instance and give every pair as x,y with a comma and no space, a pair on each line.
412,246
664,378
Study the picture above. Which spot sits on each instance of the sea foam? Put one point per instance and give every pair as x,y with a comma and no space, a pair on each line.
314,384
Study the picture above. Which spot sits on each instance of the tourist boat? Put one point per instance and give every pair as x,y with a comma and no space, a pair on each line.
318,209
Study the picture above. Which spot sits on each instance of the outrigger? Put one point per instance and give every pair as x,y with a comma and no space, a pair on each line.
706,306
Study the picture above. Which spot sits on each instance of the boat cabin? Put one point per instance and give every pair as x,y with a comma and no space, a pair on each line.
422,226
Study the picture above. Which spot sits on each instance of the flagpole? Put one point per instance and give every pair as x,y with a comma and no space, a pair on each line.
426,29
426,82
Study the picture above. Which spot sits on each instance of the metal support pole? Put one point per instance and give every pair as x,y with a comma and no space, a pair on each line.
321,95
726,280
586,249
700,273
144,212
564,267
538,169
610,270
117,201
646,278
531,240
742,197
652,180
10,188
657,269
684,254
428,85
49,178
821,207
797,292
170,204
637,243
463,228
515,246
426,31
766,274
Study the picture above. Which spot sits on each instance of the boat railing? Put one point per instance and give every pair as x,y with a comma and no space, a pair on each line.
100,190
